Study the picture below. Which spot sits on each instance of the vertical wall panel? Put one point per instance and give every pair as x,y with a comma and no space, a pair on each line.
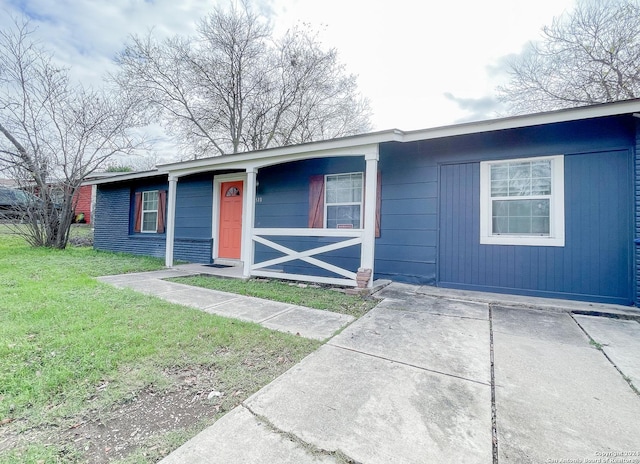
636,167
457,224
595,262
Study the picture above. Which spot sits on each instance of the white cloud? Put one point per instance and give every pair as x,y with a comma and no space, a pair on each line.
86,34
408,54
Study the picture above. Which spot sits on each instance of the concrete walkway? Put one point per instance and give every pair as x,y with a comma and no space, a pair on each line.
426,379
298,320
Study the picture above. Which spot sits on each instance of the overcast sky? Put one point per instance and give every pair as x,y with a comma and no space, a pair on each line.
421,63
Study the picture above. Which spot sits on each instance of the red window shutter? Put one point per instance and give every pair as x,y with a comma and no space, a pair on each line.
316,202
137,212
162,206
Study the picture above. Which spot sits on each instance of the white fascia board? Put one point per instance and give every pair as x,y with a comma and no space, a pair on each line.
358,145
324,148
243,161
529,120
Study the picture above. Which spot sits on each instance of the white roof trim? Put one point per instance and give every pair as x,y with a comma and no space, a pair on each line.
344,146
353,143
125,176
256,160
358,145
529,120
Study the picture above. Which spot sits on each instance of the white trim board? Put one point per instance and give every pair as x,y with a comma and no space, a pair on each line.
215,213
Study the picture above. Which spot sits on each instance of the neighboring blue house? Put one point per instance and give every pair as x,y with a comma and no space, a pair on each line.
545,205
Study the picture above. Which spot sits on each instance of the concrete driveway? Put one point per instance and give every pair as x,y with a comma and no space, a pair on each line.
434,379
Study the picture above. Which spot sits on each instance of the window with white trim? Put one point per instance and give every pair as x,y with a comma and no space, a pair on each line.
149,211
522,201
343,201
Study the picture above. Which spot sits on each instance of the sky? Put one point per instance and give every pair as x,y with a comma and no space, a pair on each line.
421,63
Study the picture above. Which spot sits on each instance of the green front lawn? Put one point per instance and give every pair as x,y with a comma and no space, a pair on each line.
72,348
299,294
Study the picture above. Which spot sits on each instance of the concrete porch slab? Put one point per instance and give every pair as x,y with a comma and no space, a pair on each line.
438,306
530,302
558,399
549,326
451,345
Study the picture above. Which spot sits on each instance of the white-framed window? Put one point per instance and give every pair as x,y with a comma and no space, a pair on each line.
149,211
522,201
343,201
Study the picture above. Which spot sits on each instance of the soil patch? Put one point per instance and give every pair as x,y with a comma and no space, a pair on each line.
151,424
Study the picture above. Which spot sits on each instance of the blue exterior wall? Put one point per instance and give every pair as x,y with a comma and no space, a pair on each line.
113,228
406,248
430,213
283,201
637,212
596,262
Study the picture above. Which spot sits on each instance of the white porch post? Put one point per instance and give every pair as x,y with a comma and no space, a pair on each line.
171,221
248,221
371,189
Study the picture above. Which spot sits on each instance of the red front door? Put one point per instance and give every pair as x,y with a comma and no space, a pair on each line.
230,230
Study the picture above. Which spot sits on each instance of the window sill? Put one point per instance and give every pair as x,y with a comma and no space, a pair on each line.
522,240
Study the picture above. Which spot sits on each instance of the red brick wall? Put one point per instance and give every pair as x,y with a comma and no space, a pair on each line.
83,202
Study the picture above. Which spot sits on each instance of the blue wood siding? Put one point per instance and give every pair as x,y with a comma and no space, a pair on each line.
637,211
430,213
406,248
194,207
113,228
112,217
595,262
282,201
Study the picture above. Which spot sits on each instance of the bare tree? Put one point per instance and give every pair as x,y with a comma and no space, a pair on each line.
590,55
54,133
234,87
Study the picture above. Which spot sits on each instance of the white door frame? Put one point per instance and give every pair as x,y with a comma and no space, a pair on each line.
217,183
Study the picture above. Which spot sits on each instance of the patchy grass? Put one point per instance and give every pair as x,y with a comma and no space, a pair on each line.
81,235
320,298
73,350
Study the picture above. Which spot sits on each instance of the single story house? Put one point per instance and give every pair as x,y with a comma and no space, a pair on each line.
545,205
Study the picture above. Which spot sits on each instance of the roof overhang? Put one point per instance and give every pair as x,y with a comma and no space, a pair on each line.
356,145
125,176
528,120
366,144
